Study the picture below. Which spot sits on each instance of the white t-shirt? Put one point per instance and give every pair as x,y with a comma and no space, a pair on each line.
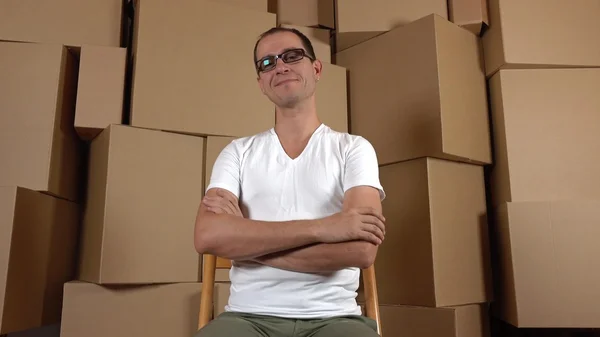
274,187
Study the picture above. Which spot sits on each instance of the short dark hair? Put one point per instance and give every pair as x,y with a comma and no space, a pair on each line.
305,40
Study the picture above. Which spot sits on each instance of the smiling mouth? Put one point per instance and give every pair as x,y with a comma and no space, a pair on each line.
285,81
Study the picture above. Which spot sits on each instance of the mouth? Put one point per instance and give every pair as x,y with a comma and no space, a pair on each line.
285,81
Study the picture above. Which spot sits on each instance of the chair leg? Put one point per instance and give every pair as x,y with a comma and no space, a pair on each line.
209,266
372,301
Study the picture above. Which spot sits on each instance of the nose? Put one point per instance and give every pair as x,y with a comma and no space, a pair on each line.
281,67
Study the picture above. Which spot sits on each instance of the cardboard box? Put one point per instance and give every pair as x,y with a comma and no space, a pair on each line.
187,80
70,22
320,40
100,90
257,5
39,148
307,13
547,273
38,240
542,33
422,93
123,311
462,321
359,20
435,252
469,14
546,127
144,189
331,97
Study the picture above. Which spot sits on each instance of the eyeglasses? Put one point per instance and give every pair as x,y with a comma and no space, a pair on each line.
268,63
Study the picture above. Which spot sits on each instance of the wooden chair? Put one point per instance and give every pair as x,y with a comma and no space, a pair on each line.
211,263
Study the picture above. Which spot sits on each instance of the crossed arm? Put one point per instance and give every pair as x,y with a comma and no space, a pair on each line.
292,245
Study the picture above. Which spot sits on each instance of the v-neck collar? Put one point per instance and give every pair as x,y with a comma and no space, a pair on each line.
310,140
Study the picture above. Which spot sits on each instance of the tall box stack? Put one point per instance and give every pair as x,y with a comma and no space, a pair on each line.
315,19
43,159
421,101
146,179
542,62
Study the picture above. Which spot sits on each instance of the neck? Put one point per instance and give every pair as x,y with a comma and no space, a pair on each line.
298,122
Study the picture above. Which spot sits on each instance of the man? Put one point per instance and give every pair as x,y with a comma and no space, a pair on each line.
310,215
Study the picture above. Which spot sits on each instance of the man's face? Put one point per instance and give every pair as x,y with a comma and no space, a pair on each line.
287,83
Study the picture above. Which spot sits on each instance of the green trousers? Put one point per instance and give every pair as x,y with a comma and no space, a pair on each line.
230,324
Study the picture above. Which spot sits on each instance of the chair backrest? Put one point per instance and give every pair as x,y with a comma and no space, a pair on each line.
211,262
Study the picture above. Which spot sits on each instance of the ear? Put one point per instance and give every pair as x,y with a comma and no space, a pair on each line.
318,68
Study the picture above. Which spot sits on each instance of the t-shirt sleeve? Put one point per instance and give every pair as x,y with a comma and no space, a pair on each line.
226,170
362,168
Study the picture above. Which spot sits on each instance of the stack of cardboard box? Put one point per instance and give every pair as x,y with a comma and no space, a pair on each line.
418,93
43,46
542,60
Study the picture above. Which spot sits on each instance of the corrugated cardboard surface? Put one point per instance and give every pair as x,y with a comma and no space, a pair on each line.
144,188
470,14
463,321
548,273
258,5
422,93
186,79
436,232
320,40
546,126
100,89
39,148
37,255
307,13
359,20
331,97
69,22
542,33
149,310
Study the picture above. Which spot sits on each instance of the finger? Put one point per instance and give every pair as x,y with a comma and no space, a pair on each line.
216,210
373,220
373,230
231,200
369,237
371,211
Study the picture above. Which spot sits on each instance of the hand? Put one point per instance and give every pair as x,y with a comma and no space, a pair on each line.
363,223
222,203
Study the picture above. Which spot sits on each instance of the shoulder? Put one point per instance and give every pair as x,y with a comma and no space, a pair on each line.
240,146
348,143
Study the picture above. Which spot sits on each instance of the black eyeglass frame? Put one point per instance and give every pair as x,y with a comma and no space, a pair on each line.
280,56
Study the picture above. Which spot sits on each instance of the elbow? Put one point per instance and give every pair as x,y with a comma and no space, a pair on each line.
368,253
202,239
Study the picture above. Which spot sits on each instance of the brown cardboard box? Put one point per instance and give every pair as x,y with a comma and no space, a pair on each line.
144,188
69,22
546,127
39,148
331,97
359,20
542,33
462,321
469,14
100,90
38,239
307,13
320,40
422,93
435,252
149,310
257,5
548,266
187,80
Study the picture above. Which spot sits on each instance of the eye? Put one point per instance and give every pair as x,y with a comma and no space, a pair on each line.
293,55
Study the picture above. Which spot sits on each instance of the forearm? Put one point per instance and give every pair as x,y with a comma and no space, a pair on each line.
323,257
237,238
